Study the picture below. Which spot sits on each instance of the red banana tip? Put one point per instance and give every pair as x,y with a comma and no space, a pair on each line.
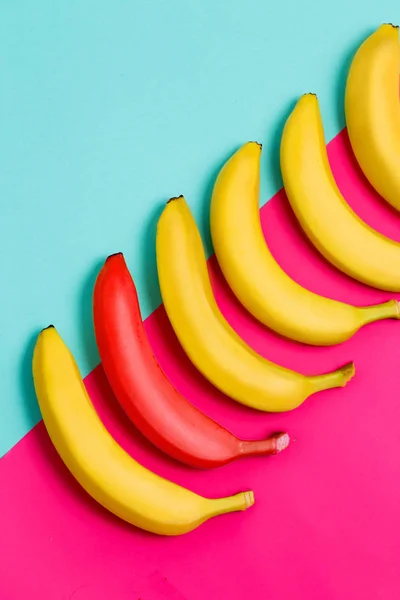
282,441
114,256
272,445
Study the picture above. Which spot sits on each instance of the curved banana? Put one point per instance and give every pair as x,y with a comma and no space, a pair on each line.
373,111
255,277
329,222
99,464
208,340
143,390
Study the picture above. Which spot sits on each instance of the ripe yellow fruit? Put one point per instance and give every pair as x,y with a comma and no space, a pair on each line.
373,111
255,277
209,341
99,464
326,218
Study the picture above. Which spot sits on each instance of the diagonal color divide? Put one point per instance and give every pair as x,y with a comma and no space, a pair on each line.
325,523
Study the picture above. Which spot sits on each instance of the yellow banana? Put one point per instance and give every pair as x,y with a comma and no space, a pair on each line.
255,277
373,111
99,464
329,222
208,340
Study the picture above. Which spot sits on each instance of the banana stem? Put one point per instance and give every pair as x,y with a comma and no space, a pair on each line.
241,501
273,445
386,310
338,378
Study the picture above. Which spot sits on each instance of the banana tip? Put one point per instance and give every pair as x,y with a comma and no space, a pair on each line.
112,256
48,327
348,372
248,499
282,441
174,199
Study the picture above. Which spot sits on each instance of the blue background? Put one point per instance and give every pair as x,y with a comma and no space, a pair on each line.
108,108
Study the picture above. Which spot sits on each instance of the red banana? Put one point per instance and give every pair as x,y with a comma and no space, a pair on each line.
157,409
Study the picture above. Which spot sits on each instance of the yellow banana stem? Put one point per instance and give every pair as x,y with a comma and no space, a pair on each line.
337,378
240,501
387,310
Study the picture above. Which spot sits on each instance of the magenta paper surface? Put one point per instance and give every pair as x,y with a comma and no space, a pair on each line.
326,522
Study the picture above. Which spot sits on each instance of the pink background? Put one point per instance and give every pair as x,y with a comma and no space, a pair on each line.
325,525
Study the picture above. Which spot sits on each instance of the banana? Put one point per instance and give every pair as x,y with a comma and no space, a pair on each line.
99,464
208,340
373,112
328,221
255,277
149,399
